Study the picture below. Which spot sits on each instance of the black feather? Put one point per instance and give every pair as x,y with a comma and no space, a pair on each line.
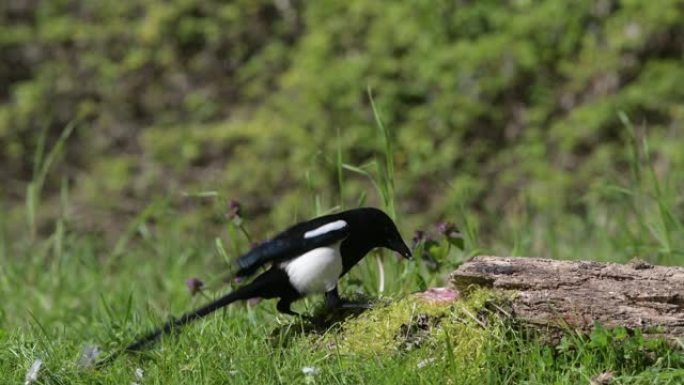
287,245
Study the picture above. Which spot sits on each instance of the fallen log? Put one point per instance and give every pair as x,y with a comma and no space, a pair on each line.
578,294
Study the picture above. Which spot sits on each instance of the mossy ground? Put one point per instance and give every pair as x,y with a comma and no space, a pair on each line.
409,323
424,332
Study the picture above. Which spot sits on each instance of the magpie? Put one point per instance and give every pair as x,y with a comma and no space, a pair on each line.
307,258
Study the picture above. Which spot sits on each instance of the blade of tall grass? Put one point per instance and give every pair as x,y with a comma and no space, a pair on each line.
41,168
340,174
647,192
386,167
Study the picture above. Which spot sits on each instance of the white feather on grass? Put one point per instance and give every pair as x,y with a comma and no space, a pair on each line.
32,373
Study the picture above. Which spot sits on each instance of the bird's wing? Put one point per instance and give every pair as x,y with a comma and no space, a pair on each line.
293,242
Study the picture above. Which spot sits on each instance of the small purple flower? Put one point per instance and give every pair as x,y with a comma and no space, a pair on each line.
422,238
423,243
452,234
194,285
418,237
234,209
447,229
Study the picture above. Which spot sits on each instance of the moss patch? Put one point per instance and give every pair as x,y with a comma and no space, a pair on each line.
464,326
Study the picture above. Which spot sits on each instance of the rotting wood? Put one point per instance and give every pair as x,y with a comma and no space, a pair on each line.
579,294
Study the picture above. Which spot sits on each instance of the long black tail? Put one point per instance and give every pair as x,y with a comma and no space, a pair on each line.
246,292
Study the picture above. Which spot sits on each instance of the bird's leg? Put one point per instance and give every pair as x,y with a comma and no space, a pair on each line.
283,306
334,301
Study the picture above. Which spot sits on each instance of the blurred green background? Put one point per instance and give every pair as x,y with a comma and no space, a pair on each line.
543,127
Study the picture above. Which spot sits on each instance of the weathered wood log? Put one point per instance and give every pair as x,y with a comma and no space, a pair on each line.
578,294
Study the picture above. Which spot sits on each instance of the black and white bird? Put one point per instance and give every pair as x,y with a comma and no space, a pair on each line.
307,258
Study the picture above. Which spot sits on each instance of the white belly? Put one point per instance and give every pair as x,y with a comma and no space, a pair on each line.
315,271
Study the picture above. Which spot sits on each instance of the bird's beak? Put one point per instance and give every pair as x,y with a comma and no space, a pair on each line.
401,248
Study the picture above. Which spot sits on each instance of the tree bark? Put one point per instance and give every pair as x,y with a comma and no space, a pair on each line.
578,294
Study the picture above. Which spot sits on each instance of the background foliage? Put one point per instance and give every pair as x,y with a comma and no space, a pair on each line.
499,108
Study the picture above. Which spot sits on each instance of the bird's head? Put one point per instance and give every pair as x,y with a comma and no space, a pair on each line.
380,228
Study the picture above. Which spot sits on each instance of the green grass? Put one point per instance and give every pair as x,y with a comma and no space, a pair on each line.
58,300
54,306
66,291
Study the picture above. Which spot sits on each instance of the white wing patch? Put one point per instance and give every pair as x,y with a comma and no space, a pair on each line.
315,271
332,226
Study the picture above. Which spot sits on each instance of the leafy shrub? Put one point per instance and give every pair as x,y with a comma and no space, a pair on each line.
497,107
